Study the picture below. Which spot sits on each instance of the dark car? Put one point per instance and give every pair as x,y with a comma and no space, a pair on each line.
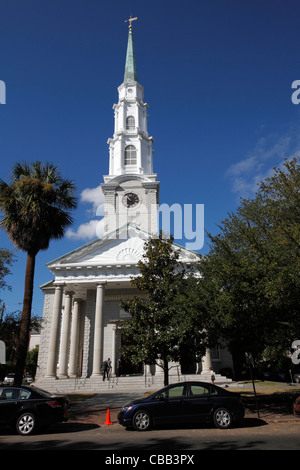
27,408
185,402
296,407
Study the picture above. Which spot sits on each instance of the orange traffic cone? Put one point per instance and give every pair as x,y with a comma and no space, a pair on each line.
108,421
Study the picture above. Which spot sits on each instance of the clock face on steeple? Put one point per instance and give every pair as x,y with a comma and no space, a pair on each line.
130,200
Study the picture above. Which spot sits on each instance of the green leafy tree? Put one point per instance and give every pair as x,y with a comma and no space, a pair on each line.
36,209
253,267
163,324
31,361
10,331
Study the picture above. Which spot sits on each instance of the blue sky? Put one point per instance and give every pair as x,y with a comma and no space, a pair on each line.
217,76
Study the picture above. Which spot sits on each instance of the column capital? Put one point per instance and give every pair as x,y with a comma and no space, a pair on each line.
101,283
69,292
59,285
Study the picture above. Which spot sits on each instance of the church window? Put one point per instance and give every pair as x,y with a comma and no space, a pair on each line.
215,353
130,123
130,155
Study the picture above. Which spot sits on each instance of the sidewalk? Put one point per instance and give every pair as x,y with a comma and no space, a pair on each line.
94,410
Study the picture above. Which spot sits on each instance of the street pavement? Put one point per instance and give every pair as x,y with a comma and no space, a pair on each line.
87,429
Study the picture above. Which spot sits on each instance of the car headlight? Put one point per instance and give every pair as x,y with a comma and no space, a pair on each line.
127,408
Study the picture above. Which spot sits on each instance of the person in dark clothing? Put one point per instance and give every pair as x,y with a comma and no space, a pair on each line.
105,370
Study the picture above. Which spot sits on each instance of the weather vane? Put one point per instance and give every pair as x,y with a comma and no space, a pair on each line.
130,21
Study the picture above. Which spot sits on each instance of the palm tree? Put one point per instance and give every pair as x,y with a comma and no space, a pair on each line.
35,207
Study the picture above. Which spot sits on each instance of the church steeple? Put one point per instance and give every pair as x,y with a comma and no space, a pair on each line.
130,74
130,188
130,147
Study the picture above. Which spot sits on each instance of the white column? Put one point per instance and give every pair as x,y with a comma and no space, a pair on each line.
54,332
98,331
74,339
206,361
65,338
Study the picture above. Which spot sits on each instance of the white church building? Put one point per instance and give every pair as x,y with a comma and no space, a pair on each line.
82,314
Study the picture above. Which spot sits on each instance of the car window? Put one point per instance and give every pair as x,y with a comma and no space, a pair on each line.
172,392
199,390
14,394
24,394
175,392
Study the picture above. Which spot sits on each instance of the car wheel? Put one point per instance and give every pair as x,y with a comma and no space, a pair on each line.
222,418
141,421
25,424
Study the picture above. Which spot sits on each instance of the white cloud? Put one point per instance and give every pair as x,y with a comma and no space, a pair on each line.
93,228
269,151
94,196
85,231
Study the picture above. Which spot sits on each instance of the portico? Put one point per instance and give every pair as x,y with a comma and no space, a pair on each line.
82,305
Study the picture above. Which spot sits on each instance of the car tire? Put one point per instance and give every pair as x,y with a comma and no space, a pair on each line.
141,420
222,418
26,424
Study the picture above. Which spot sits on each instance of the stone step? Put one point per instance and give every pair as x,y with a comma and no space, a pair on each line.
121,384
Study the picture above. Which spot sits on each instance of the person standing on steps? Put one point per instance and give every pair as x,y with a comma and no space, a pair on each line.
109,367
105,370
212,376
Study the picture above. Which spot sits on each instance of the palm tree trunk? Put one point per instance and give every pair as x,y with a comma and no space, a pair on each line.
22,346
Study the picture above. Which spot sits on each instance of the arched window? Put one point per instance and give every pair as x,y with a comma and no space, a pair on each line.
130,155
130,123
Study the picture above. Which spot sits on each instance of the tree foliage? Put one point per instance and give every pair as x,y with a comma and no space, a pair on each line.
36,209
163,324
253,267
10,330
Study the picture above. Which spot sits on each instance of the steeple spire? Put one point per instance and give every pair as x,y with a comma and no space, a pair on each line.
130,65
131,189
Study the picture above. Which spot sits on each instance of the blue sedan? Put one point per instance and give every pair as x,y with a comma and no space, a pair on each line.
185,402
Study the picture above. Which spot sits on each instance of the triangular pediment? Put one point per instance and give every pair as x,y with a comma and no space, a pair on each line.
122,247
